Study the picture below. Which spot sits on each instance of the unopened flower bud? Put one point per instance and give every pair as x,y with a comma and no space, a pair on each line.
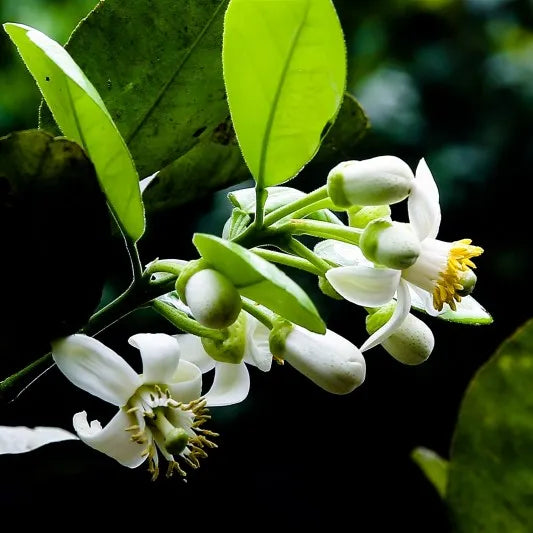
391,244
212,298
360,216
411,343
380,180
329,360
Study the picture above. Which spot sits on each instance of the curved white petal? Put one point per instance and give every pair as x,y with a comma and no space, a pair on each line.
160,354
186,383
362,285
422,300
113,439
341,253
21,439
95,368
403,306
193,351
231,385
257,351
423,203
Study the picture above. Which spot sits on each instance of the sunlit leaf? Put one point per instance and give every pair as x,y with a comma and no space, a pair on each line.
83,117
490,486
260,281
434,467
284,69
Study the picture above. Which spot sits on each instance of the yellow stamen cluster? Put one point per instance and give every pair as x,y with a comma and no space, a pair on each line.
448,284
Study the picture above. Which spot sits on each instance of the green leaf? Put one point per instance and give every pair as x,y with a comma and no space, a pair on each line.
469,311
83,117
490,486
157,66
285,70
55,241
434,467
259,280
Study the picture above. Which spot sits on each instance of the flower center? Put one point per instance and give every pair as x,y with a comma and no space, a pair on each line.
450,283
173,428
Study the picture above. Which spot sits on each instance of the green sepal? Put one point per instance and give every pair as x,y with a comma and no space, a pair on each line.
231,349
279,333
192,268
259,280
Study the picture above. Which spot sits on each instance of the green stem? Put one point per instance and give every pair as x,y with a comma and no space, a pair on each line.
254,309
261,195
183,322
325,203
300,249
135,260
325,230
286,259
171,266
319,194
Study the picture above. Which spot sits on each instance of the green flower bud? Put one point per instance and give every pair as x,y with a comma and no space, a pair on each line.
380,180
212,298
391,244
360,216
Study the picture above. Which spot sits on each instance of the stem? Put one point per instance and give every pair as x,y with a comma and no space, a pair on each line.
300,249
171,266
325,230
183,322
135,260
7,384
255,310
260,200
325,203
287,260
319,194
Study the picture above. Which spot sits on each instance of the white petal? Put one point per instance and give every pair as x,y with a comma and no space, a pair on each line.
21,439
423,204
231,385
341,253
143,184
113,439
95,368
403,306
193,351
160,354
186,383
422,300
257,344
362,285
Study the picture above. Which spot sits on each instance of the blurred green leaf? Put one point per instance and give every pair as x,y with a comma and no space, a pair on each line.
157,66
490,485
259,280
434,467
55,240
83,117
285,70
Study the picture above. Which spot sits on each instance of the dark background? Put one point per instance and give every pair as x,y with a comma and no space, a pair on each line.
447,80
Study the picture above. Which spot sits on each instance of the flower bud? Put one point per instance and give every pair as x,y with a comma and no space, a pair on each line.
380,180
391,244
410,344
329,360
468,280
212,298
360,216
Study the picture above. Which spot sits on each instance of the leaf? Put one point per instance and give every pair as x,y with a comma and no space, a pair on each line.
56,238
434,467
157,66
83,117
259,280
285,70
490,485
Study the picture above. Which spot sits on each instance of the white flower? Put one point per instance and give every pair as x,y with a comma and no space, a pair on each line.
436,277
329,360
161,408
231,381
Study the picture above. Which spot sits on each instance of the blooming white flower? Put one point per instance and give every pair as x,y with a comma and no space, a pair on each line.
160,409
232,380
436,277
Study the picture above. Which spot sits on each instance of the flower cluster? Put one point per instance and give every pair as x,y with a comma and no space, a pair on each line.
227,305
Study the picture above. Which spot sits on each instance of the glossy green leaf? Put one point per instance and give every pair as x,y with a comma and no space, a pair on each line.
83,117
434,467
259,280
157,65
469,311
490,485
55,241
284,69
